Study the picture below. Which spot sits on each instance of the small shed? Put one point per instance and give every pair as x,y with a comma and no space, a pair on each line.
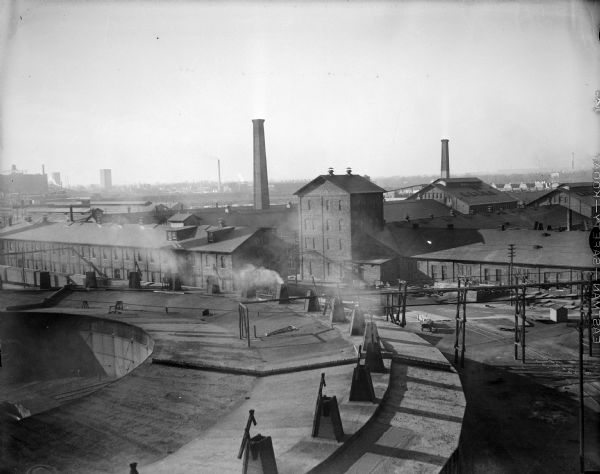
183,220
558,313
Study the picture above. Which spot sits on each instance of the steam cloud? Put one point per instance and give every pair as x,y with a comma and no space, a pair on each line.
251,276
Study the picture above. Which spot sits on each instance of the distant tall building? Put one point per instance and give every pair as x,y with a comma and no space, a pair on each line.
106,178
56,179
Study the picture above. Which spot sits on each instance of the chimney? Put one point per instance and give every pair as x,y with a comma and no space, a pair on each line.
330,171
445,159
261,183
219,171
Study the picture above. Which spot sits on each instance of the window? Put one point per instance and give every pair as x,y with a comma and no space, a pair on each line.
498,274
328,268
433,272
117,274
104,254
308,204
486,274
115,254
339,205
222,261
93,252
313,243
139,256
328,239
126,254
443,272
305,224
207,261
341,244
327,224
305,242
340,224
310,267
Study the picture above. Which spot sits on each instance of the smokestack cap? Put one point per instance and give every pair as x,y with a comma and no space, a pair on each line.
330,171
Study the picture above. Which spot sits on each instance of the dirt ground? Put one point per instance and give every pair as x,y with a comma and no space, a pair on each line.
120,426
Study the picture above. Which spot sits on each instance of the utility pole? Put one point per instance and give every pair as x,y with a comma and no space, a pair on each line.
511,256
580,327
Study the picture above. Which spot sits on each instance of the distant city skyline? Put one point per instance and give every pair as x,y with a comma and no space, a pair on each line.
159,91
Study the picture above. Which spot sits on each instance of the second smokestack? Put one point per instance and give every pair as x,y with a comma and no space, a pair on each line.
445,159
261,182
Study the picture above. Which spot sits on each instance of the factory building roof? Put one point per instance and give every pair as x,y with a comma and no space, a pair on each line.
408,241
537,248
420,212
583,191
131,235
394,211
349,183
472,191
236,237
91,233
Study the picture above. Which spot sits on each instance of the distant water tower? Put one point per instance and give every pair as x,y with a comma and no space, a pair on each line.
105,178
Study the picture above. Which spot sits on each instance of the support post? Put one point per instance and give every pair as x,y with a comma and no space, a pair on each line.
246,438
589,316
523,304
457,330
403,309
581,405
517,333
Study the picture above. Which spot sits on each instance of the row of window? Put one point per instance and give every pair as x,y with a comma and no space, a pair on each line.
212,259
330,204
495,274
309,224
60,250
330,269
330,243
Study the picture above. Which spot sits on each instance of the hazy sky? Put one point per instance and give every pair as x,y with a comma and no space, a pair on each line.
158,90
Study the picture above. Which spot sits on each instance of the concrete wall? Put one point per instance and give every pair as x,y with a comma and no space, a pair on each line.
52,346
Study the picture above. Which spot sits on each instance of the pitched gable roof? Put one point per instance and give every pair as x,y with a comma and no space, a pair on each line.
558,249
472,191
350,183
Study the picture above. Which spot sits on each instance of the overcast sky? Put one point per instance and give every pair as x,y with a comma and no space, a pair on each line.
159,90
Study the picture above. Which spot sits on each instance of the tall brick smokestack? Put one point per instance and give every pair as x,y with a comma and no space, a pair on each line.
445,159
261,182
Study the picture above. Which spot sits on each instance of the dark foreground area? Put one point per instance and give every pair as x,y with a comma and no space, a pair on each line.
521,417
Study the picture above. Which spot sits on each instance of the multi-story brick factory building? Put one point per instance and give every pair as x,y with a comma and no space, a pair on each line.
336,213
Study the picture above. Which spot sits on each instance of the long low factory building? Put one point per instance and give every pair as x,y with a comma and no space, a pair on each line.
538,256
200,256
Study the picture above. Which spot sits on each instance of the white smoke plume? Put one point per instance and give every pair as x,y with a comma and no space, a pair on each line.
257,277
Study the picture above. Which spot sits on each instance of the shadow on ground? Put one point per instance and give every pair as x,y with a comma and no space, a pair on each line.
515,424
